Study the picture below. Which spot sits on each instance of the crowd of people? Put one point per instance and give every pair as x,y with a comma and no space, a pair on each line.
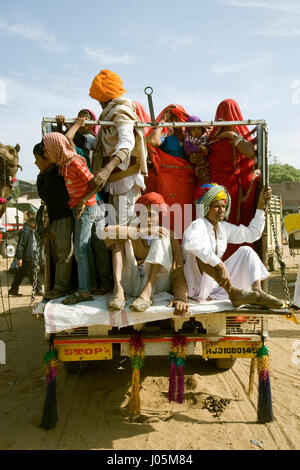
109,192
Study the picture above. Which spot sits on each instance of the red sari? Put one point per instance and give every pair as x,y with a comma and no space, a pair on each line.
174,178
232,169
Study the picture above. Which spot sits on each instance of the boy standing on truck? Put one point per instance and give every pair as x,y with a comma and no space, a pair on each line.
25,256
52,190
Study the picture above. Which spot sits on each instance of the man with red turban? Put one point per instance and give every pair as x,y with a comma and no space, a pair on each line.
205,242
151,259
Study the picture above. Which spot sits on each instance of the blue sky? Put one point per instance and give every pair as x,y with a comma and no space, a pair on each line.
192,52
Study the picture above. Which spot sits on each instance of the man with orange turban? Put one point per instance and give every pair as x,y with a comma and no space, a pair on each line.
205,242
119,156
120,152
151,259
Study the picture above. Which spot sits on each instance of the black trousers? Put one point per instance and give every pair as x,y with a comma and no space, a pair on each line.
26,270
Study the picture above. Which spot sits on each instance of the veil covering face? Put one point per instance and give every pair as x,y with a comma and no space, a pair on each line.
229,110
230,168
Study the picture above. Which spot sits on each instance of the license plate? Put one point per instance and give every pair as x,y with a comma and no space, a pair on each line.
84,352
230,349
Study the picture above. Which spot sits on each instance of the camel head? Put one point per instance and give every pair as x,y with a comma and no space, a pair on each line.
9,164
9,160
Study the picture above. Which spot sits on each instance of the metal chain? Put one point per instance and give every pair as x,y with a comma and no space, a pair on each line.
281,262
35,274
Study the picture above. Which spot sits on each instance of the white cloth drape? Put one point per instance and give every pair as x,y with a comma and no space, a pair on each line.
244,268
133,279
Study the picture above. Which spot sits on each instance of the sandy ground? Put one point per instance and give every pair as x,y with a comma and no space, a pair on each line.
91,405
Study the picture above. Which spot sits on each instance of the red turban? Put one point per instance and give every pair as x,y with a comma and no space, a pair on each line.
149,199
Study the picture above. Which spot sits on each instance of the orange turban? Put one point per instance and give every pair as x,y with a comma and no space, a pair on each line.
106,86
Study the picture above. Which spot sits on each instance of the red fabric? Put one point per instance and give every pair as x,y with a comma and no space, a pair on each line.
178,110
153,198
143,116
77,177
175,182
232,169
173,177
200,191
229,110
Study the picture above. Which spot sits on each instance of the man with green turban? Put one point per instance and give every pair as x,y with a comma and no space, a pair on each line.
205,242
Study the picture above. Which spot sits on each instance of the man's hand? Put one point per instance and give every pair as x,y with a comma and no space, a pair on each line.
79,122
80,209
223,278
19,263
181,307
264,196
100,179
60,119
155,232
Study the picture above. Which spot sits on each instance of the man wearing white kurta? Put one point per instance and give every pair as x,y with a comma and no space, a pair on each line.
204,244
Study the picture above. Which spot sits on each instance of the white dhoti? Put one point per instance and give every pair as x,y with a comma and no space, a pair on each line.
244,268
134,277
121,206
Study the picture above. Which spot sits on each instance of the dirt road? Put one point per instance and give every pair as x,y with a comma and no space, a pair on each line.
91,405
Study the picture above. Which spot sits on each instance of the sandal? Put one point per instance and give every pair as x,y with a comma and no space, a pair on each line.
116,304
140,304
76,298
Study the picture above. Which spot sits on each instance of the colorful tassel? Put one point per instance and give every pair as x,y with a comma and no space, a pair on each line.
137,361
253,367
49,418
176,379
264,407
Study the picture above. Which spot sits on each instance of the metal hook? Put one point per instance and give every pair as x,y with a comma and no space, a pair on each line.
150,103
148,88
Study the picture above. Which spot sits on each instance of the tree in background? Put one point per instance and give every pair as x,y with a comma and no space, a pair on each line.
279,173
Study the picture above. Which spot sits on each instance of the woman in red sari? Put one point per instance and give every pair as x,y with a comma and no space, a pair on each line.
232,162
174,179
